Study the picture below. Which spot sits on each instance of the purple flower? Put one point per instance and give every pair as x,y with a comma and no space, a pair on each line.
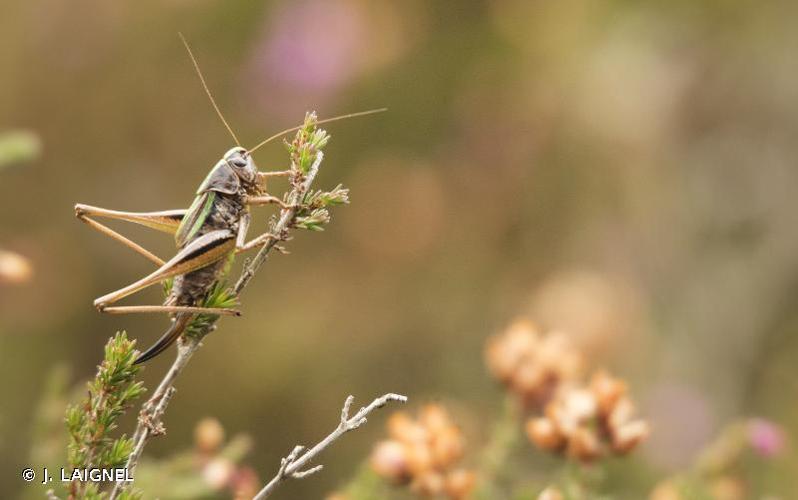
766,437
308,50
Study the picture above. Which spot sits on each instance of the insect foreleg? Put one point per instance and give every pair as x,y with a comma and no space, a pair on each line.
263,176
256,201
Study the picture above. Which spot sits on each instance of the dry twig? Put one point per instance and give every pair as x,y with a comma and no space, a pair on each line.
291,466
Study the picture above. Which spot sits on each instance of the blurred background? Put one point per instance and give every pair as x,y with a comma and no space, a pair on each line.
622,171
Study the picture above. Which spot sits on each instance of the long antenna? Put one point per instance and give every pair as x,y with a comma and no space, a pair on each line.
207,90
326,120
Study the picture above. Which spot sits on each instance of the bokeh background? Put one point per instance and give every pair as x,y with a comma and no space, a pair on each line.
624,171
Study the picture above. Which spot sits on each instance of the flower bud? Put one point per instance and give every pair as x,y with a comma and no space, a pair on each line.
389,460
447,446
629,435
218,472
403,428
434,418
430,483
208,435
460,483
607,390
14,268
583,445
551,493
544,434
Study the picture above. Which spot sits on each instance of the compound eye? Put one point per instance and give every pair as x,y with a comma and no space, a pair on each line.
239,162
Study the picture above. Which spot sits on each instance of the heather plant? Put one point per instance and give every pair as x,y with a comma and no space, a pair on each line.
91,423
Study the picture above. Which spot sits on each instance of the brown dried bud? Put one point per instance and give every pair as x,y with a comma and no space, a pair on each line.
544,434
429,483
14,268
607,390
584,445
447,446
389,460
551,493
622,412
403,428
422,452
434,418
208,435
460,483
530,379
629,435
419,457
505,352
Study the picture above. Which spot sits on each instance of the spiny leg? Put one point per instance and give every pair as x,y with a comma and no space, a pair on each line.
241,246
201,252
241,238
166,221
125,241
172,309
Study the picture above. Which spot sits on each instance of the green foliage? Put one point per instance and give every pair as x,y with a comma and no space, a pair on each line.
220,297
111,392
18,146
304,150
306,145
321,199
314,221
367,485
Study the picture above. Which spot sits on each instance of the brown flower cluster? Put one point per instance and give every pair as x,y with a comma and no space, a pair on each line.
586,423
423,453
531,365
218,470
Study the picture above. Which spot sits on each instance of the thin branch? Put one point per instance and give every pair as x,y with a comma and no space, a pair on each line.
292,465
149,422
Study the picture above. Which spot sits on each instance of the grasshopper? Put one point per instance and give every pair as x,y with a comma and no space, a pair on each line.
207,234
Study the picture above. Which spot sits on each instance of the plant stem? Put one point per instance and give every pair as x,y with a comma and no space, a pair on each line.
504,437
149,422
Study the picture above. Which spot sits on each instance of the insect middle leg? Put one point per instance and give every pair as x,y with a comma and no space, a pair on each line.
267,200
241,244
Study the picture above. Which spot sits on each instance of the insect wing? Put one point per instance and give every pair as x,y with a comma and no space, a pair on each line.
195,217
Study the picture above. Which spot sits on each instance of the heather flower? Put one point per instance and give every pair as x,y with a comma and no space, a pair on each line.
586,423
208,435
765,437
532,365
424,453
